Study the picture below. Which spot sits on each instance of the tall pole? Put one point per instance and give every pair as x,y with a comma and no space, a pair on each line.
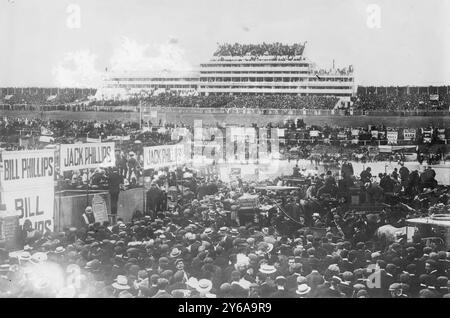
140,115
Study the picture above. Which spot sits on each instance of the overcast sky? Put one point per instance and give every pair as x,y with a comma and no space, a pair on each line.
42,45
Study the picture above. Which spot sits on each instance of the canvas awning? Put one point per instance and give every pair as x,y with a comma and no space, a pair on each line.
429,221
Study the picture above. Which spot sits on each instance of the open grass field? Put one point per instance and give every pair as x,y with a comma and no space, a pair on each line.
240,119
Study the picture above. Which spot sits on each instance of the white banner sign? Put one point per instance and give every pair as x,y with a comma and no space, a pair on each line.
314,133
20,169
93,140
86,156
164,156
441,134
46,139
374,134
409,134
27,186
392,137
118,138
434,97
99,208
33,205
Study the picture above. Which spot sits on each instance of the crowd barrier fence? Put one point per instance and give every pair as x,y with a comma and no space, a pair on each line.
200,110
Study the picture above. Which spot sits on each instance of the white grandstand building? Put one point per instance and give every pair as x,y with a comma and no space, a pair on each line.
125,85
246,74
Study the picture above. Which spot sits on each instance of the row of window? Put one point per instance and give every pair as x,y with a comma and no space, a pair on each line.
154,79
259,93
151,86
240,79
273,79
254,72
276,87
226,86
256,65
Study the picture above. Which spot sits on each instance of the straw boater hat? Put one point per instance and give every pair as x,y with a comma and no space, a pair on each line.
223,229
175,253
208,230
121,283
60,250
303,289
204,286
25,256
267,269
192,282
265,247
39,258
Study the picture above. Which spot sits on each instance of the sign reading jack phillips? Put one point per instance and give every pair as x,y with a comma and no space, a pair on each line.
86,156
165,156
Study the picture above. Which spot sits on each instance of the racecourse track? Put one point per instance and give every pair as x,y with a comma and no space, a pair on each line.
238,119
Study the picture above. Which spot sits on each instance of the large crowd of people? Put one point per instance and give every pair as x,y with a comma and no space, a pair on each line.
284,102
393,101
196,244
197,237
68,131
43,96
386,99
271,49
171,99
